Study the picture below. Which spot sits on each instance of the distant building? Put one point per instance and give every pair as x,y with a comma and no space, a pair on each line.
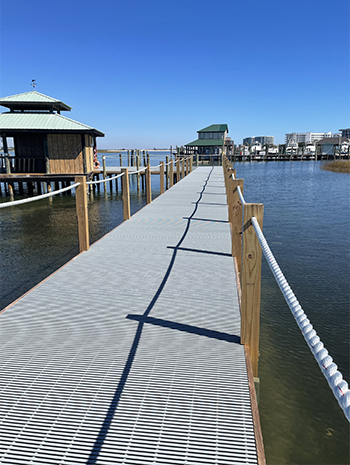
307,136
211,140
345,133
263,140
330,144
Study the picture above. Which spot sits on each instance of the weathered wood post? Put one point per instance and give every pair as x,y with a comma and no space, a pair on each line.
167,172
197,159
104,167
137,169
183,168
161,172
147,158
128,158
125,194
6,154
191,163
171,173
7,163
251,282
148,184
120,159
82,213
177,169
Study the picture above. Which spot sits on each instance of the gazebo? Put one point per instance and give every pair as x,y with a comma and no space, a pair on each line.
45,142
211,140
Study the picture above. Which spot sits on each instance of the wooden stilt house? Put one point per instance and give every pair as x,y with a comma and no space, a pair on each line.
211,141
44,140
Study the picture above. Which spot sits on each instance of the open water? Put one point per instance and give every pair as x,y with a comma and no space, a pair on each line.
307,225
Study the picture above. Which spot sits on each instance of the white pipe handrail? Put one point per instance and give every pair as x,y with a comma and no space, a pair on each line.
241,195
334,378
105,180
38,197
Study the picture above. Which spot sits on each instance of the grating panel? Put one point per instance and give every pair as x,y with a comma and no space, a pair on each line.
130,354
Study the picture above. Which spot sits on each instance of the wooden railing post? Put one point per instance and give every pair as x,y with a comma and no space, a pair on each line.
251,282
167,172
137,169
104,171
82,213
236,220
126,194
228,183
171,173
161,172
183,168
177,169
8,164
191,163
148,184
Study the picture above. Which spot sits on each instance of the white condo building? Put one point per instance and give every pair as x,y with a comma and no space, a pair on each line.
307,136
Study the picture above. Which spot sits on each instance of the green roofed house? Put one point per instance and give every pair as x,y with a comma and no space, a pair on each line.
44,140
211,140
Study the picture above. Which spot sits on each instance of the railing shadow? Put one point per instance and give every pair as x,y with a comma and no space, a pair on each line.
142,319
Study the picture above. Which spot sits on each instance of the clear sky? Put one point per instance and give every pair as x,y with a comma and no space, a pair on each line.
151,73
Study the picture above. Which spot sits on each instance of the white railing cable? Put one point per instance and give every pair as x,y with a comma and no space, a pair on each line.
139,171
240,195
38,197
105,180
334,378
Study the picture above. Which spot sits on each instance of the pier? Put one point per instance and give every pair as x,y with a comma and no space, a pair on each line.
144,348
131,353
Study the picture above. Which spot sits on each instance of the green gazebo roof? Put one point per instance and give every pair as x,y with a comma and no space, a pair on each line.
215,128
15,122
206,143
33,101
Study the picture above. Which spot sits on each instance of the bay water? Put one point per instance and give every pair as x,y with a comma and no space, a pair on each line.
307,225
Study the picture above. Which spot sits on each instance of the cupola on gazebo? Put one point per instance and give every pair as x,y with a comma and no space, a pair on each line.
44,140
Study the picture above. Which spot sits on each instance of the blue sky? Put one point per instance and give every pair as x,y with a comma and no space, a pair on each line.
151,73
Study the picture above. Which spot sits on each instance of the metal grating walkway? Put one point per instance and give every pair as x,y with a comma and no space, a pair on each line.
130,354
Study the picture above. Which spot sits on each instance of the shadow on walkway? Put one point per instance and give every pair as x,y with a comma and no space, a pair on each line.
142,319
